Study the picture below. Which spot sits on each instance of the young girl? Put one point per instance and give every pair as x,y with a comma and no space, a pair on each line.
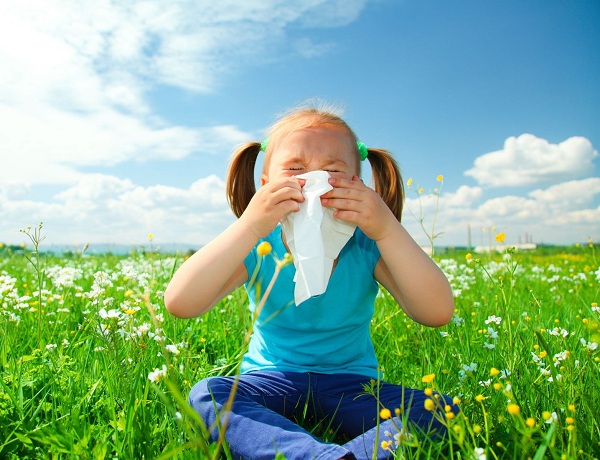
312,359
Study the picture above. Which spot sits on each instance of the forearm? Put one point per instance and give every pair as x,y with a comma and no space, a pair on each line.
205,277
415,280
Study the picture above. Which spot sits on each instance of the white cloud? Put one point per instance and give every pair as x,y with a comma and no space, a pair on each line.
528,160
562,213
106,209
75,76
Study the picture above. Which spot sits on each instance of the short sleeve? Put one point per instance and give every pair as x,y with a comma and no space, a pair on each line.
368,248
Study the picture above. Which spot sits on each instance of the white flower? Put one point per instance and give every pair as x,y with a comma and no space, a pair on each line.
172,348
51,346
492,334
158,374
591,345
493,319
479,454
444,334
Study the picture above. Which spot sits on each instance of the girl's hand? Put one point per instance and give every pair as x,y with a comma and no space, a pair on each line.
354,202
271,203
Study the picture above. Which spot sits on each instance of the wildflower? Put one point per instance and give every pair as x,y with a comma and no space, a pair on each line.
500,237
530,422
590,345
497,386
469,257
479,398
150,236
477,429
158,374
428,378
428,391
386,445
385,413
479,453
421,190
493,319
51,346
409,182
263,249
440,178
172,348
449,415
570,420
429,404
494,372
513,409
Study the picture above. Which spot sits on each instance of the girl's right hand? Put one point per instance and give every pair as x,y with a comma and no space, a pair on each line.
271,203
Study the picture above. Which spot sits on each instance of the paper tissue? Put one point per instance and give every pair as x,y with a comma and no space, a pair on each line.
314,237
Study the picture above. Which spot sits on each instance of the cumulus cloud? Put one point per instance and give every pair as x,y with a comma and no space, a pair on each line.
106,209
529,160
75,78
567,212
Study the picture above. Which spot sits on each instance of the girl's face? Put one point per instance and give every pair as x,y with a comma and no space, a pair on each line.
317,148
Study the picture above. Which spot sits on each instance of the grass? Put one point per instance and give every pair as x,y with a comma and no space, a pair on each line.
80,336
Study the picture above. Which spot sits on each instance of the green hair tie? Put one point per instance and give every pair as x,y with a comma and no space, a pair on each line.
264,144
362,148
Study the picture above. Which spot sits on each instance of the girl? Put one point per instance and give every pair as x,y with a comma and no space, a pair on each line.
317,358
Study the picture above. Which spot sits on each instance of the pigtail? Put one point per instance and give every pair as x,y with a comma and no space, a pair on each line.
240,186
387,180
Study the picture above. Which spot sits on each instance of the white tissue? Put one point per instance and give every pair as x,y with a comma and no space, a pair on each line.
314,237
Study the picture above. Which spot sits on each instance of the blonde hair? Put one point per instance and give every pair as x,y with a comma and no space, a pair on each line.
241,187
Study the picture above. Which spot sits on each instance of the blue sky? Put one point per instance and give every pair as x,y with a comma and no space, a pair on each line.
117,119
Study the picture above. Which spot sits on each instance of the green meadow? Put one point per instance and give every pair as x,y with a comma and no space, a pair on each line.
92,366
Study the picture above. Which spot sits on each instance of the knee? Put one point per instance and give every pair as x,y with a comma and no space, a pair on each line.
210,391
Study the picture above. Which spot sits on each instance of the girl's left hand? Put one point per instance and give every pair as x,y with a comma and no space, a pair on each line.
354,202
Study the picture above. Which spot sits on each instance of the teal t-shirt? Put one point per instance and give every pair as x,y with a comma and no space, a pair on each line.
329,333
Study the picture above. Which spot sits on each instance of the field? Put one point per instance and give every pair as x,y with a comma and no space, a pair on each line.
92,365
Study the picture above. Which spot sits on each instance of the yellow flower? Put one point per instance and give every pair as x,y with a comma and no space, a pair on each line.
570,420
264,249
513,409
543,354
386,445
429,404
428,378
494,372
477,429
397,411
479,398
469,256
440,178
385,413
150,236
456,400
497,386
571,407
421,190
530,422
409,182
500,237
546,415
428,391
449,415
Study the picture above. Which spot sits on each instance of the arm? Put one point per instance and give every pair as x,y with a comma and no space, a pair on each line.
409,274
218,268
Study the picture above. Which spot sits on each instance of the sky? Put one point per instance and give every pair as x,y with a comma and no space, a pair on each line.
118,118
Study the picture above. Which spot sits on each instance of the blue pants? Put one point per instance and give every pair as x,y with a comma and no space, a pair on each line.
260,422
